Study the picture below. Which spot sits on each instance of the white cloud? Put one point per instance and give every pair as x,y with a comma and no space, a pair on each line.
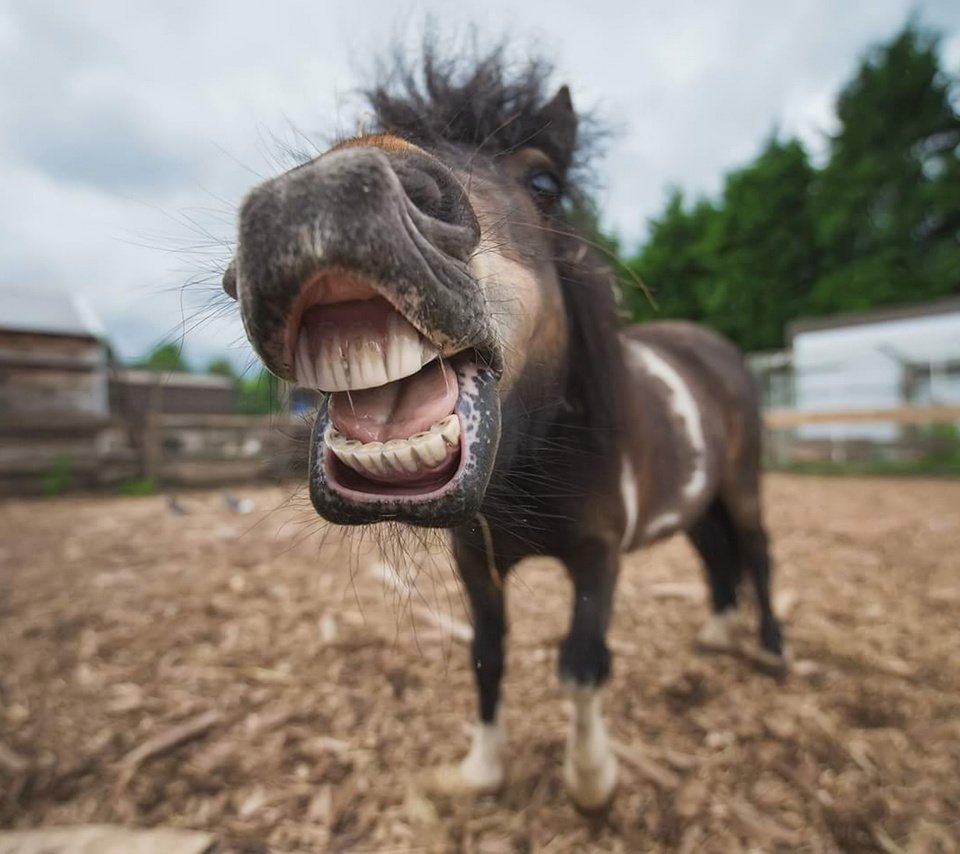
123,124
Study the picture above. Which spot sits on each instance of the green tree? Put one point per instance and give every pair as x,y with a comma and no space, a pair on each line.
888,201
164,357
222,367
259,394
762,248
673,264
880,224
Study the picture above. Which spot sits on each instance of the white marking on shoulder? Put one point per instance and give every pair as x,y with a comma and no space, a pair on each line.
628,489
685,406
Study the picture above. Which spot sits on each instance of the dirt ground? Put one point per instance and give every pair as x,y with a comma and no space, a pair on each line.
251,675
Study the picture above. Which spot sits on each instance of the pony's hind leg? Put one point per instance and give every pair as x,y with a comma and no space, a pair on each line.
590,770
745,515
715,540
756,559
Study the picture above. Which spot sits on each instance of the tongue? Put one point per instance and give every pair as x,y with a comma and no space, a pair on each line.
399,409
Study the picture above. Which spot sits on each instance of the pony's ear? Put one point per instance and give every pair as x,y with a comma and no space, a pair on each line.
559,128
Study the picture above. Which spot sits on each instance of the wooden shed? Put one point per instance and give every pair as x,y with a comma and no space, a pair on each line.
53,359
56,430
137,392
70,420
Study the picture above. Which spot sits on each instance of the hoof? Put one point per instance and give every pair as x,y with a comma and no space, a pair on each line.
719,633
462,781
771,663
591,789
480,773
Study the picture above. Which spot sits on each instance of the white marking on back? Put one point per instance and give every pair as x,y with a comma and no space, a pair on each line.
685,407
662,524
628,489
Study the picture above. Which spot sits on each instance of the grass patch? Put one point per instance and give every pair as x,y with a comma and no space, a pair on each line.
57,480
138,486
926,466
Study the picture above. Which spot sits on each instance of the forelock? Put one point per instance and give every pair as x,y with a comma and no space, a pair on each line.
485,101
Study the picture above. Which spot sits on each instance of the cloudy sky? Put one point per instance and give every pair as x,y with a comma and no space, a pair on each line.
130,130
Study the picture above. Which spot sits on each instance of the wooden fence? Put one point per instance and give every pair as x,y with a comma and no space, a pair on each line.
909,448
50,455
191,450
776,419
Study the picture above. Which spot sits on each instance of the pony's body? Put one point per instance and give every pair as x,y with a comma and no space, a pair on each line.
431,280
686,457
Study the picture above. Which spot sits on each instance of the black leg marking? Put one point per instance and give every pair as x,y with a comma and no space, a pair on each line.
756,558
715,540
482,769
485,592
584,657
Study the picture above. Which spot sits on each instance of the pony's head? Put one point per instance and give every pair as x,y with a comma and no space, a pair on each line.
416,275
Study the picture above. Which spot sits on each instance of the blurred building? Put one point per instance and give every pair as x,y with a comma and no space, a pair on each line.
773,373
905,356
53,358
302,402
137,392
68,420
54,400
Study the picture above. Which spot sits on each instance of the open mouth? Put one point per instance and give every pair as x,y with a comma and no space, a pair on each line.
402,422
402,437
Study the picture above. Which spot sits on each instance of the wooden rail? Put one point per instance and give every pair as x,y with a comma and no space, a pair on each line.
778,419
218,448
232,422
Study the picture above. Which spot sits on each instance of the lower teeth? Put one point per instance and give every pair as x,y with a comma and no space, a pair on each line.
421,451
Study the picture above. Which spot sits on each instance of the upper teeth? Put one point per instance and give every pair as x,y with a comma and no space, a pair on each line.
341,362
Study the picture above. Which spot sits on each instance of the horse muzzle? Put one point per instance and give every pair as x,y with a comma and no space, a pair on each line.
352,276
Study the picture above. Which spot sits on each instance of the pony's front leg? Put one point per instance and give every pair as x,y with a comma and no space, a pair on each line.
482,770
590,768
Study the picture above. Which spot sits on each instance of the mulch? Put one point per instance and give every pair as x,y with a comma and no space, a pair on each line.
266,679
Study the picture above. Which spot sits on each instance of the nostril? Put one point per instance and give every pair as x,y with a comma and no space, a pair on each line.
434,191
447,217
423,190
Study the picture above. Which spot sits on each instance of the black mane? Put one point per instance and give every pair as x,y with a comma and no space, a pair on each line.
483,100
486,101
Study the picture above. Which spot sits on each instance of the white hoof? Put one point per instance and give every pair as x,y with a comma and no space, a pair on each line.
455,781
481,772
770,662
590,769
719,632
591,787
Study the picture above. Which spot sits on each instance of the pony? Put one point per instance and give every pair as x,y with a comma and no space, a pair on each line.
435,280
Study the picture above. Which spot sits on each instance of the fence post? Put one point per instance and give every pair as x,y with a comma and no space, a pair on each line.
152,448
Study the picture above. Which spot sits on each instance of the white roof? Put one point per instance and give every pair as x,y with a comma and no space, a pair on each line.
53,312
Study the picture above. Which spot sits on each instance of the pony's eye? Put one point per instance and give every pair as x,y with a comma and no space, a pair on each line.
545,187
